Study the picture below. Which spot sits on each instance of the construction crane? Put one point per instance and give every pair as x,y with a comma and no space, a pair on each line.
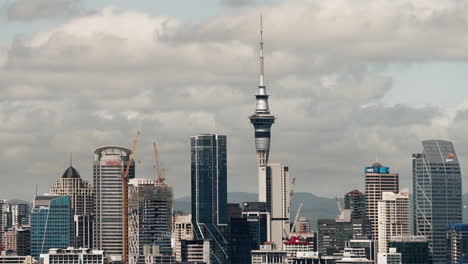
159,170
298,212
125,198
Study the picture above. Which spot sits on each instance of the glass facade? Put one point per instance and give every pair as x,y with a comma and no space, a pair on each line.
437,194
209,192
51,224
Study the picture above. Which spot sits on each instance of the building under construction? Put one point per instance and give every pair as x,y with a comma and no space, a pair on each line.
150,220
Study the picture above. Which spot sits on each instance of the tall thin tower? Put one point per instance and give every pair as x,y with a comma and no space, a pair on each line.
262,121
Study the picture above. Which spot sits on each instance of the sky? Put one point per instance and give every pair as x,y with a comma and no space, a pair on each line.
350,82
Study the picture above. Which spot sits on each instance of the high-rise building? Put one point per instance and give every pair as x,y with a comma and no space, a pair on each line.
82,199
278,198
394,218
334,233
19,213
356,202
437,194
240,238
182,230
457,236
413,249
2,220
262,121
18,242
258,218
378,180
150,220
109,162
209,193
51,224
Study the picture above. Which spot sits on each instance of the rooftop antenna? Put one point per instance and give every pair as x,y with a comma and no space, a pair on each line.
71,159
262,72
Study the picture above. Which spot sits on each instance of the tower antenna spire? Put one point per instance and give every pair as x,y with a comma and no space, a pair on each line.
71,159
262,69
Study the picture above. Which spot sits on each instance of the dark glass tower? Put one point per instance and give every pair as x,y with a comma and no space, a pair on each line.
356,202
437,194
209,193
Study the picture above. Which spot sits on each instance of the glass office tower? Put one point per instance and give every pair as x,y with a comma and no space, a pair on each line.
51,224
209,193
437,194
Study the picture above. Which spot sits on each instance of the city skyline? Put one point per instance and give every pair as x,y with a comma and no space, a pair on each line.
338,105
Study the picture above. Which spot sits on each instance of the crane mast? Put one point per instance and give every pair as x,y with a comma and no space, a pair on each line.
159,170
125,198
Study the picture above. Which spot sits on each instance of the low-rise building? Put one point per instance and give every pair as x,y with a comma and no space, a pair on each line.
74,256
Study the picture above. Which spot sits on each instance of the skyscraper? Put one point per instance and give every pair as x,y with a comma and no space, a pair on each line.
279,203
209,193
82,200
356,202
51,224
150,220
378,180
109,162
262,121
2,221
394,218
19,213
437,196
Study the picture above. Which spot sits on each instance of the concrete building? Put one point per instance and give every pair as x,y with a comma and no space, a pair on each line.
457,236
81,196
394,217
18,213
18,242
390,257
278,198
209,193
333,233
269,254
378,180
303,225
367,244
182,229
437,195
262,121
8,259
51,224
413,249
2,220
354,256
150,219
107,176
196,251
74,256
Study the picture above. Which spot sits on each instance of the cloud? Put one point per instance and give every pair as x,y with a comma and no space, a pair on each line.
41,9
98,78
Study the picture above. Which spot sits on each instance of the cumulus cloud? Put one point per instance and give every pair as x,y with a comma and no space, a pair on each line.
98,78
40,9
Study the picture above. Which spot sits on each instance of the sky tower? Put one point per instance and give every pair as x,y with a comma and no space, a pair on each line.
262,121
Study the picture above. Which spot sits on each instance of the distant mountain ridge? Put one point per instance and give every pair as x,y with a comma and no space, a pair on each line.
314,207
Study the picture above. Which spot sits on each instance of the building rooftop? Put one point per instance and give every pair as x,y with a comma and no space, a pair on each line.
71,173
